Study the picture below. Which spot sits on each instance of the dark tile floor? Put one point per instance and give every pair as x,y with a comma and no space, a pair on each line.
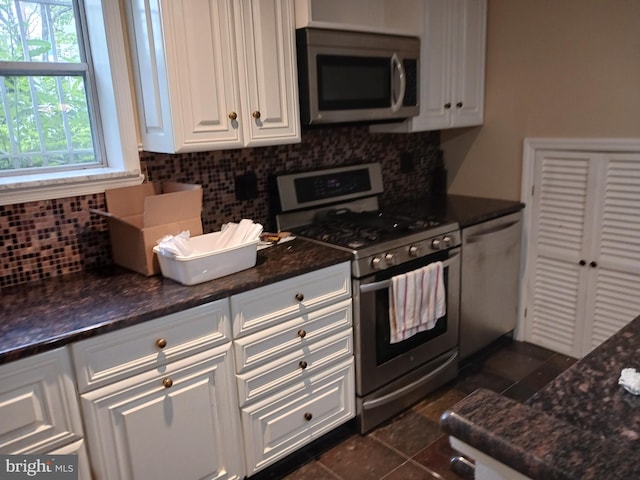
411,445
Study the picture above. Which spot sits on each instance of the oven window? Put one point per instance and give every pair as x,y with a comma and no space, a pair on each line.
386,351
346,82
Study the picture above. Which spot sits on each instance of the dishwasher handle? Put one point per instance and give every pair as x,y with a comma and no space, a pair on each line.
494,231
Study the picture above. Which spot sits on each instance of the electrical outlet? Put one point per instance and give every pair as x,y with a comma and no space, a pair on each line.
406,162
246,186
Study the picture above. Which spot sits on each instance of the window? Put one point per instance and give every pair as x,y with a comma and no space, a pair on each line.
66,115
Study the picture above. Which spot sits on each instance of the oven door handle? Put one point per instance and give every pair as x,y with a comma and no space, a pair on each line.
373,287
376,402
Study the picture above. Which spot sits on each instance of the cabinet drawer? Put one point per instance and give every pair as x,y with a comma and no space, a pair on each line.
121,354
38,404
283,423
266,306
300,364
275,342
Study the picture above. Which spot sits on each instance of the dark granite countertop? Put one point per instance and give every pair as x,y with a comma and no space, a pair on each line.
582,425
472,210
48,314
466,210
55,312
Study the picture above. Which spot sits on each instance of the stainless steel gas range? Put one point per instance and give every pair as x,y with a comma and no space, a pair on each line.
340,208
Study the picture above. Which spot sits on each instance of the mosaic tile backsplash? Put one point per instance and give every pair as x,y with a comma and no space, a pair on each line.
56,237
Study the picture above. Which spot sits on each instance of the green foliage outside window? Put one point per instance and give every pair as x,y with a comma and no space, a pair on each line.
44,111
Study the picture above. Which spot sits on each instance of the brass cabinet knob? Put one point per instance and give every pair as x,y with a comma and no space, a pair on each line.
308,416
447,105
167,382
256,114
582,262
593,264
459,105
233,115
302,333
161,343
299,297
303,364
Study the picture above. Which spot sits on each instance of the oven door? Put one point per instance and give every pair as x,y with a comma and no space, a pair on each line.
380,362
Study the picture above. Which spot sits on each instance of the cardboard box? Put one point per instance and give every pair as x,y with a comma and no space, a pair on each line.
141,215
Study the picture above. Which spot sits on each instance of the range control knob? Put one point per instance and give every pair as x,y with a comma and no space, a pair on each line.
415,250
447,241
378,263
391,258
436,244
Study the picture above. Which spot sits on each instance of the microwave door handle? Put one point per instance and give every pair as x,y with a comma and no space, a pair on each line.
372,287
397,63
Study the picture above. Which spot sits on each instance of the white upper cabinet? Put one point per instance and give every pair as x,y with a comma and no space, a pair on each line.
214,74
452,67
401,17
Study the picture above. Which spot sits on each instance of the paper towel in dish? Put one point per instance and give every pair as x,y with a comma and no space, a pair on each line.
630,380
238,233
177,245
230,235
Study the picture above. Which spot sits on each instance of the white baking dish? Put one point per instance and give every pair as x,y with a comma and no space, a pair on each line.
206,264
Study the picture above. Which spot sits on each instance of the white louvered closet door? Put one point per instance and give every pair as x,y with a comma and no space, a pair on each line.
584,249
613,298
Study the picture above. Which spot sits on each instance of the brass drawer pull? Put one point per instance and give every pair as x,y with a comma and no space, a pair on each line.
303,364
299,297
308,416
302,333
167,382
161,343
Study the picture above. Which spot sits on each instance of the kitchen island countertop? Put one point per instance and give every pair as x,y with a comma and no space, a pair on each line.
55,312
582,425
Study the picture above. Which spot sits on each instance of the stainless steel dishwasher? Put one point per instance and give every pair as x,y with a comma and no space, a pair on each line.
490,281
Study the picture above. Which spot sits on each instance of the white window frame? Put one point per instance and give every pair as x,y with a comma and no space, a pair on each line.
106,31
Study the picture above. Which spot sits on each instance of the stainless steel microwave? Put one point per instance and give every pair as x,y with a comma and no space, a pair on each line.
349,76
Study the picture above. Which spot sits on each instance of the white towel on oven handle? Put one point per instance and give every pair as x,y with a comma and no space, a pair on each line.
417,300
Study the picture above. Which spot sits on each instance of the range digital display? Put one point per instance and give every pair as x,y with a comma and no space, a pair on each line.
326,186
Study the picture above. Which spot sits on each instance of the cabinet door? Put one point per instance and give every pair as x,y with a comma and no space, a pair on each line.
267,66
612,292
468,62
185,57
179,421
435,67
559,240
584,249
38,404
452,67
76,448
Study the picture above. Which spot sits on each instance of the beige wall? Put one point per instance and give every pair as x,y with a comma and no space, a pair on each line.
555,68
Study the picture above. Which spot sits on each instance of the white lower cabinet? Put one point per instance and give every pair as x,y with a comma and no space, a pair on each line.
39,411
80,449
190,395
173,422
295,369
178,418
294,416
